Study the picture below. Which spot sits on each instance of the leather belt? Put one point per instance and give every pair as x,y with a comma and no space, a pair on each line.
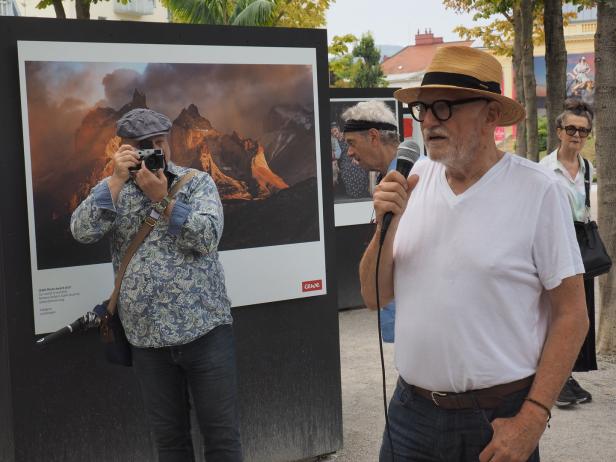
485,398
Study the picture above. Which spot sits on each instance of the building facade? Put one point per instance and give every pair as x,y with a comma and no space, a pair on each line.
134,10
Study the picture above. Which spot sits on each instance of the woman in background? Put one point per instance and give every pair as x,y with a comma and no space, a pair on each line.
573,127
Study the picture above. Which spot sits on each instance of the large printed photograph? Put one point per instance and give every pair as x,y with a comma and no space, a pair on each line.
245,115
251,127
353,186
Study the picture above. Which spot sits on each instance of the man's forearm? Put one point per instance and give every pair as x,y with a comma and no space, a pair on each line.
115,186
562,346
367,270
566,332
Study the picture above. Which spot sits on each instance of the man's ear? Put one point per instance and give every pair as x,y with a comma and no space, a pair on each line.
493,113
374,135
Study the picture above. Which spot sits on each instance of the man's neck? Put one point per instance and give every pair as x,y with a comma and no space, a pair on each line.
388,156
463,176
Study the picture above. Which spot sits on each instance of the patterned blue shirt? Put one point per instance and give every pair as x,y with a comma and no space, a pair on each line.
173,290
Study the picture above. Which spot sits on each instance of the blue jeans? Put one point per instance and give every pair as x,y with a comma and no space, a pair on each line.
422,432
206,366
388,322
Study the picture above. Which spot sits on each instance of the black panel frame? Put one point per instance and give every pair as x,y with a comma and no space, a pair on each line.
65,403
351,241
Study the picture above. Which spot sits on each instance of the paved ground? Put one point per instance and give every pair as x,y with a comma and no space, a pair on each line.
584,434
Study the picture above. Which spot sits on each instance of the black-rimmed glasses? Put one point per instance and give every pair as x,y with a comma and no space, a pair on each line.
440,108
571,129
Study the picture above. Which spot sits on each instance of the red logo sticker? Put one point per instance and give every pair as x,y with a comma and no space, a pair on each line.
308,286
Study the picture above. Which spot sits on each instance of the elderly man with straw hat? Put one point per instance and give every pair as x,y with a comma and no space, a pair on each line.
491,314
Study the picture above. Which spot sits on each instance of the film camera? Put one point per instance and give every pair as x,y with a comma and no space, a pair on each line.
154,159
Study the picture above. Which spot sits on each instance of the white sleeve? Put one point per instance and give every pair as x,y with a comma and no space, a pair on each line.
556,252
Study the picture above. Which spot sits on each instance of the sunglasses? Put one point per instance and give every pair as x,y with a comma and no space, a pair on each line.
571,129
440,108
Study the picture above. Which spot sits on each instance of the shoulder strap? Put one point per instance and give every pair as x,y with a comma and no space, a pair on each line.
144,230
587,181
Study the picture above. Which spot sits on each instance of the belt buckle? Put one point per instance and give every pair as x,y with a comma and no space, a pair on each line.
434,394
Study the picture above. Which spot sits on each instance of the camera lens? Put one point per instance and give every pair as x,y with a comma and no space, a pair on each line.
151,163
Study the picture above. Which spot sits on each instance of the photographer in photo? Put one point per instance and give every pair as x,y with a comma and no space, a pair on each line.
173,302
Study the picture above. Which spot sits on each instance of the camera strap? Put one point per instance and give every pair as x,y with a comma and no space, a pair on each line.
145,229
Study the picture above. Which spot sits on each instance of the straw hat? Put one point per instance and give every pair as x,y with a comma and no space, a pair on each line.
469,69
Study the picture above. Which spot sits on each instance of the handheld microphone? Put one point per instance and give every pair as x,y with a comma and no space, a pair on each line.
83,323
407,155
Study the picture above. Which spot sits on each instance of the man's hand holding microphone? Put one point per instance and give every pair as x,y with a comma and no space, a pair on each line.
391,196
392,193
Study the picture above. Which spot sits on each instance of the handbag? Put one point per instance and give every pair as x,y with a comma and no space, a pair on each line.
594,255
116,345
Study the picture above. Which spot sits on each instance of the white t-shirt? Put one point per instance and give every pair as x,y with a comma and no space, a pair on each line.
470,272
575,188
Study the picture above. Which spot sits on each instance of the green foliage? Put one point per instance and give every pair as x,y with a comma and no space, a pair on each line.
342,70
498,34
369,73
340,44
284,13
301,13
360,68
342,65
249,13
542,135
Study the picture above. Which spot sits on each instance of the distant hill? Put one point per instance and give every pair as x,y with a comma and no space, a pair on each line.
389,50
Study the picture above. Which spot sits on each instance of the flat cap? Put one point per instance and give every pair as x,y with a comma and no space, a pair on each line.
141,123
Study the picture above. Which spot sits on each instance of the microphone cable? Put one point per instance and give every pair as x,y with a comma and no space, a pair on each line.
378,315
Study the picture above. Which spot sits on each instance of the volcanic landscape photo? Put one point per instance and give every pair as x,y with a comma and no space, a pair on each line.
250,126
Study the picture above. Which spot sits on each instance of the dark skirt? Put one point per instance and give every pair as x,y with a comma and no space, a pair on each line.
587,359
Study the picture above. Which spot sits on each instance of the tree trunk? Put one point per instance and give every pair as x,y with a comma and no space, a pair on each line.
605,125
520,137
530,85
59,8
82,9
555,66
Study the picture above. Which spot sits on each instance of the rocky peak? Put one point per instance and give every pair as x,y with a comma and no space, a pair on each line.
190,118
138,101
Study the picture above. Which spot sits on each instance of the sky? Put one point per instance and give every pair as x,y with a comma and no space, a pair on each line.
393,22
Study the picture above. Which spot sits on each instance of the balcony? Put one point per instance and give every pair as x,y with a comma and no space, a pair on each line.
133,7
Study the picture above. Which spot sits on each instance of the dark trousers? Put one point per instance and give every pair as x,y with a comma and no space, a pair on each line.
587,358
422,432
206,366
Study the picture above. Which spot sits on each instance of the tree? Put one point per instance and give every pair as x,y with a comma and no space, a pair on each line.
369,73
225,12
82,7
516,59
504,37
605,125
283,13
555,66
530,84
342,65
301,13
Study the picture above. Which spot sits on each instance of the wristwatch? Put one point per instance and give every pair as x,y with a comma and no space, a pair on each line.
162,204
